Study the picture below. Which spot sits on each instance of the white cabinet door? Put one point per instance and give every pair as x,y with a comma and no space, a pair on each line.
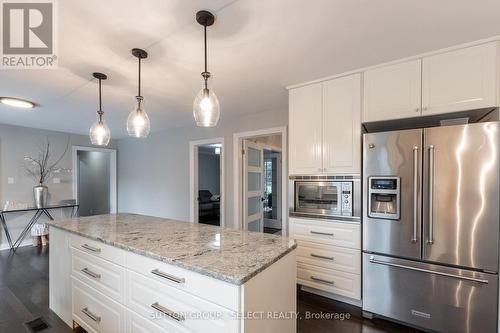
392,92
460,80
305,116
342,125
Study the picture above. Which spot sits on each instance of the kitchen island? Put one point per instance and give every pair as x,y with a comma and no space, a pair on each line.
133,273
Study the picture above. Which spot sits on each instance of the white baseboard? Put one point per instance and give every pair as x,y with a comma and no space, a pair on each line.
26,242
339,298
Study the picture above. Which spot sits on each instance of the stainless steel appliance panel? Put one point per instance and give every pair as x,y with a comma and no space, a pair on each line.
436,298
321,198
325,197
461,195
396,154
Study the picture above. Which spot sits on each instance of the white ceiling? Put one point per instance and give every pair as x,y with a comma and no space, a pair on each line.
256,48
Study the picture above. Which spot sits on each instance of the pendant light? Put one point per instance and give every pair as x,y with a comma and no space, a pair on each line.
138,124
99,132
206,108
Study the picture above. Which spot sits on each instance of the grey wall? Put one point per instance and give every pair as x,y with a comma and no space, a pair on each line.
153,176
17,142
93,182
209,172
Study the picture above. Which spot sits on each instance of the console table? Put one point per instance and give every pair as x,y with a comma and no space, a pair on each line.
38,212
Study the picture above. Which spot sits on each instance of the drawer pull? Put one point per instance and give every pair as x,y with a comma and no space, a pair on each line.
321,257
91,248
174,315
321,280
168,276
91,274
321,233
92,316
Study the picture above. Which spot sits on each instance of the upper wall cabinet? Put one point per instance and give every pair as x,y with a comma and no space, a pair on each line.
342,125
305,137
324,127
460,80
392,92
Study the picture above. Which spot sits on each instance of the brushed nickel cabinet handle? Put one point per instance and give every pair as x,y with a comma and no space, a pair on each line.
321,280
321,233
174,315
91,274
91,248
321,257
169,277
92,316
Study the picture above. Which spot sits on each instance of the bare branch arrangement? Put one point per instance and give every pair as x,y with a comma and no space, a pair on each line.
40,168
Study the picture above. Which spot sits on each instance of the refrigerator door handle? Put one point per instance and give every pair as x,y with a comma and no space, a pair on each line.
430,240
415,194
379,262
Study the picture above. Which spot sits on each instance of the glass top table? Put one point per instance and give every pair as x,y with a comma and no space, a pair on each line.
38,212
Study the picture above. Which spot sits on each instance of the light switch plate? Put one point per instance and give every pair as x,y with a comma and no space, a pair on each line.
10,180
56,180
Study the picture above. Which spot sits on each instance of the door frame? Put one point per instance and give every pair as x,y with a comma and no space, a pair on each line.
113,204
193,178
238,173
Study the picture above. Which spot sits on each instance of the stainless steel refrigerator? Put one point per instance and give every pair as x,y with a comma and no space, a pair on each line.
431,227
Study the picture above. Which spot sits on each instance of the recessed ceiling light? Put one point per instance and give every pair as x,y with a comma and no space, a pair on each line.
17,102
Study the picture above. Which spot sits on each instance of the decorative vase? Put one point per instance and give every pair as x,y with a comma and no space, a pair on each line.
40,195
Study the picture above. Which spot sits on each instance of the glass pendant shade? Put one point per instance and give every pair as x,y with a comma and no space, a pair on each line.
206,108
138,124
99,133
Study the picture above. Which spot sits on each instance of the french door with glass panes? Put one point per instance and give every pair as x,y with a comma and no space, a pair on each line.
253,186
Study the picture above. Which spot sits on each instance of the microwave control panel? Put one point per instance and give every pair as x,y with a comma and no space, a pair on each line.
346,199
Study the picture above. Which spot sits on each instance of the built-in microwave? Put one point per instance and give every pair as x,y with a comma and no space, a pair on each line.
327,196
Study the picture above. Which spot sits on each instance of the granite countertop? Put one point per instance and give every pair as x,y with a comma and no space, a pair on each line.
229,255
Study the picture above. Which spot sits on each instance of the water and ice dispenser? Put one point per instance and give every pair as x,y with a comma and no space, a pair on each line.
384,197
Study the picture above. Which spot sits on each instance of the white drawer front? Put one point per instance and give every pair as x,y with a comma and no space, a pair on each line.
96,312
327,256
333,233
216,291
332,281
98,249
144,294
138,324
100,274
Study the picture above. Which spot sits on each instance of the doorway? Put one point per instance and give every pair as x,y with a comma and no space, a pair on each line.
260,192
94,180
207,181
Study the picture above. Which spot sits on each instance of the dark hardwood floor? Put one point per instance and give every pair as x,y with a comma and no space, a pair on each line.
24,287
24,290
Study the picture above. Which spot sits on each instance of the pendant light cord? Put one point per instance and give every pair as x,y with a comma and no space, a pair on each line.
206,74
100,112
205,35
100,100
139,92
